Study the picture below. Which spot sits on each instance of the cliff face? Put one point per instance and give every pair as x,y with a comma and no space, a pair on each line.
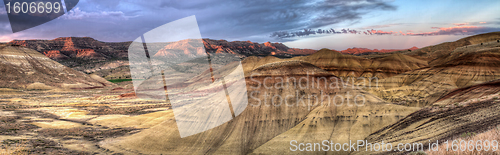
91,49
89,55
76,47
248,48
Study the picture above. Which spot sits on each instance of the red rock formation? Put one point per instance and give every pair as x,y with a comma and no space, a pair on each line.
76,47
181,48
55,55
248,48
128,95
87,53
68,44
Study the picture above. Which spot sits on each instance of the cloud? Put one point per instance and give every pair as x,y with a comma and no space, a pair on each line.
268,16
114,20
458,30
460,24
379,26
77,14
469,23
401,33
380,32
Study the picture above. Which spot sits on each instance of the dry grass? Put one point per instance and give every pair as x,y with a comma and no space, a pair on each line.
125,110
490,135
35,146
87,133
14,149
10,126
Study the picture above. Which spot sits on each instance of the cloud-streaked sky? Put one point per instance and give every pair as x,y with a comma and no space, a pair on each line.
355,23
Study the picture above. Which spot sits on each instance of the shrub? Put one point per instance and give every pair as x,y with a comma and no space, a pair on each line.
418,153
468,134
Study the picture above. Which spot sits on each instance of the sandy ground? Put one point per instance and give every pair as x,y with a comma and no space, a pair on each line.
72,121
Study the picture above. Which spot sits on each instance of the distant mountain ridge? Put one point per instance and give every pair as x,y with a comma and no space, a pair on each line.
87,48
76,47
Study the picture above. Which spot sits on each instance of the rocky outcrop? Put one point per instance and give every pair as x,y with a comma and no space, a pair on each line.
76,48
248,48
73,47
55,55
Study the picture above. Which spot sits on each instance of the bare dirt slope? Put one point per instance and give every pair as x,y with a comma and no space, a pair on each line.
470,109
23,68
464,67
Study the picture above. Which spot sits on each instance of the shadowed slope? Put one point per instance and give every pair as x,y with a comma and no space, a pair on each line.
471,109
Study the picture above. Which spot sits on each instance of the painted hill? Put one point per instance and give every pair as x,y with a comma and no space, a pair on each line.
435,54
463,67
260,124
472,109
24,68
354,66
363,51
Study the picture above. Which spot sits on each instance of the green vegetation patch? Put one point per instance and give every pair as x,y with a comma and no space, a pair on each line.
119,80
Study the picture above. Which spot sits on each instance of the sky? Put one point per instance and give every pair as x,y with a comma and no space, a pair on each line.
374,24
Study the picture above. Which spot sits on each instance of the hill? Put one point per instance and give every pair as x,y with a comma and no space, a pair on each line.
462,68
24,68
436,53
354,66
472,109
364,51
